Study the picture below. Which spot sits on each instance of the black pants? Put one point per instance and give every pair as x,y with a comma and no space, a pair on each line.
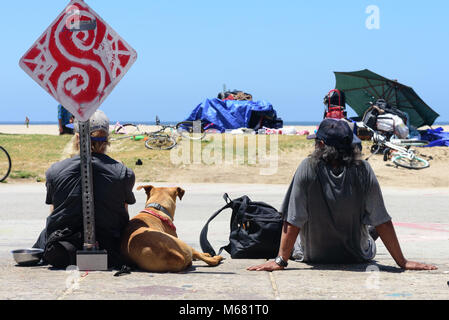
41,241
110,244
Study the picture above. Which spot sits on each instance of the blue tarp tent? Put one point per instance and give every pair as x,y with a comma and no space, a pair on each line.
233,114
436,137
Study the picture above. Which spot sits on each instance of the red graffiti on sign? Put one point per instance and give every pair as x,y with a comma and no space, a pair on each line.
79,60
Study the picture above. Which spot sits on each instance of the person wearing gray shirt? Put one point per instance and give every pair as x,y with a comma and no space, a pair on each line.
333,200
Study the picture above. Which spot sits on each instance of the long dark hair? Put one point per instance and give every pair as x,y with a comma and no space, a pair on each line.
336,157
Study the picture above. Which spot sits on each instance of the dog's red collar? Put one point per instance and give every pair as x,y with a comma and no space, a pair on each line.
163,219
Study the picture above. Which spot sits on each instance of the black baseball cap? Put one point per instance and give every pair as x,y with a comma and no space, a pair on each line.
336,133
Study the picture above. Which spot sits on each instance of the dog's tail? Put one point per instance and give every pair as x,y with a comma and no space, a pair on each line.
212,261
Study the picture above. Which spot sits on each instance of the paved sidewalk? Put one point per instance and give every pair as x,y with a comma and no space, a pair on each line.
421,223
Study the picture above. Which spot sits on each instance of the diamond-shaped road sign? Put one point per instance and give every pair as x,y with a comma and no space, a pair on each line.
79,60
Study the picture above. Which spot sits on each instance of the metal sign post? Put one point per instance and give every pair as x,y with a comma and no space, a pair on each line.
90,258
79,60
87,186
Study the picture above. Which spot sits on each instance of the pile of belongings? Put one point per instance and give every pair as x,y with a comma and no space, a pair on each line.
335,102
290,131
235,95
386,119
436,137
224,115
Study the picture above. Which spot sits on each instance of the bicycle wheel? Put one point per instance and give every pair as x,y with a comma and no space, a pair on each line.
186,129
160,142
414,163
5,164
128,129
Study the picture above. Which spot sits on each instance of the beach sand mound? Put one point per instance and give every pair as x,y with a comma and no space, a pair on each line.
388,174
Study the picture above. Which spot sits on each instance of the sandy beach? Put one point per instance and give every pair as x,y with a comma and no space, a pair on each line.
32,129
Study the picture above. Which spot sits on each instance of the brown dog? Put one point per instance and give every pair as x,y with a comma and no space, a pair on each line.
150,240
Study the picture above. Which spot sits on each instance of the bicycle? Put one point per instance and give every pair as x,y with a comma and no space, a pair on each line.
126,129
5,164
195,130
398,150
190,130
156,140
160,139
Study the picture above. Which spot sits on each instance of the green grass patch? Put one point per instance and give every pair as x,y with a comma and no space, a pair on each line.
22,175
244,145
32,155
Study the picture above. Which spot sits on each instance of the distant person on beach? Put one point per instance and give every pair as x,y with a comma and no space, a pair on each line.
27,122
113,185
64,118
335,205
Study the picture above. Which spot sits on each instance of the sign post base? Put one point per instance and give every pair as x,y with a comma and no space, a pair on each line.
92,260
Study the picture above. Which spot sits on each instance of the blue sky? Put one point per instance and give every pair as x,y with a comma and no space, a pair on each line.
281,51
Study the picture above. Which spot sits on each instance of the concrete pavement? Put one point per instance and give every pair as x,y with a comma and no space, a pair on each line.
421,223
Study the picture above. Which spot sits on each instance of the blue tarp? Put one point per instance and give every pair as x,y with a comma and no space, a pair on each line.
230,114
436,137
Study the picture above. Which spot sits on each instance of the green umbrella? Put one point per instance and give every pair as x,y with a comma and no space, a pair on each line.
365,86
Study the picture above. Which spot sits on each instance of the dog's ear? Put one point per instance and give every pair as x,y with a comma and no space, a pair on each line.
147,189
180,192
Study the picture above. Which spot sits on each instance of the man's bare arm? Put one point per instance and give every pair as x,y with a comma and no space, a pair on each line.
289,235
388,235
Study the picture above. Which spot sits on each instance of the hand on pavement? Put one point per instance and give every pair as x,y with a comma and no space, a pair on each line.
411,265
267,266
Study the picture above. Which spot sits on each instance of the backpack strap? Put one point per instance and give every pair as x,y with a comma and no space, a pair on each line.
205,245
236,218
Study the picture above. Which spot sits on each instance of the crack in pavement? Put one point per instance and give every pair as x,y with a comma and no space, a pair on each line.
274,286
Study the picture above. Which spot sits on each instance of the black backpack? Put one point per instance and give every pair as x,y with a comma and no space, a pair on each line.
61,247
255,230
